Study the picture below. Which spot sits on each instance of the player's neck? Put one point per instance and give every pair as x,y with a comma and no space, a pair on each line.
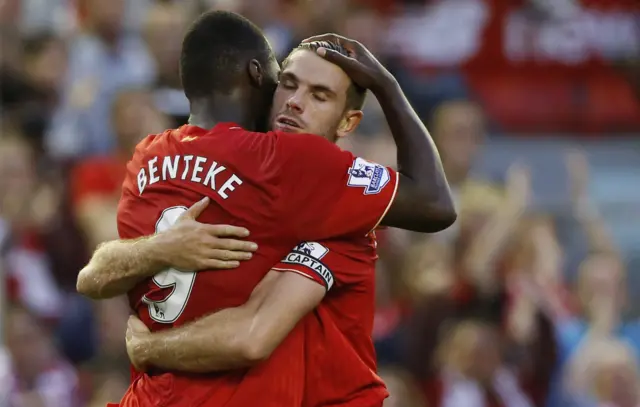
206,113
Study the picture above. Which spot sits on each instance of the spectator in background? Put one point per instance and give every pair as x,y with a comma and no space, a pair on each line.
391,310
428,270
427,280
102,60
488,223
602,296
283,23
28,205
40,376
528,327
53,15
468,280
110,374
458,127
11,61
109,385
163,32
95,187
472,371
616,382
364,24
600,291
402,388
45,62
606,375
96,181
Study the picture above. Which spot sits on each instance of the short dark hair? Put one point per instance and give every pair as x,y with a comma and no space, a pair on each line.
356,95
215,50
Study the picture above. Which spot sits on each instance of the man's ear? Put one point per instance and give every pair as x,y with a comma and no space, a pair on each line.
255,73
349,123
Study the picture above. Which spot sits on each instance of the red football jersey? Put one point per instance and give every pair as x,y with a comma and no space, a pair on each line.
285,188
340,357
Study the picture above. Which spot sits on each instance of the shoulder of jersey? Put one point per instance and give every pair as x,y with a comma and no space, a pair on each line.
246,141
150,140
154,139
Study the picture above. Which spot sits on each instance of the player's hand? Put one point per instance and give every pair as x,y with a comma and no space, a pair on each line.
136,331
190,245
361,66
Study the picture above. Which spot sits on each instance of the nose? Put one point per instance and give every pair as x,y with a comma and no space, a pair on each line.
294,103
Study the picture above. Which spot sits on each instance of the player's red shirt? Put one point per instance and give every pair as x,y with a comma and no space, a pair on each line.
340,357
285,188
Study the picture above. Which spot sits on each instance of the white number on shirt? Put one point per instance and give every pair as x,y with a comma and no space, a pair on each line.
169,309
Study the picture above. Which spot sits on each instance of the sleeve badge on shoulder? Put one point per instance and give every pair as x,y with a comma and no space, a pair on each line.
370,176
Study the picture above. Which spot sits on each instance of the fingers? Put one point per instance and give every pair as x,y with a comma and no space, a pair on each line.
232,244
352,47
222,259
220,265
226,231
228,255
331,37
196,209
337,58
218,259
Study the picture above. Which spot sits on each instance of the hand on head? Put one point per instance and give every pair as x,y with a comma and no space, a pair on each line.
360,64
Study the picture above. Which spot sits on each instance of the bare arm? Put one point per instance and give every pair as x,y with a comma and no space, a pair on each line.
423,202
603,307
233,337
117,266
598,236
493,236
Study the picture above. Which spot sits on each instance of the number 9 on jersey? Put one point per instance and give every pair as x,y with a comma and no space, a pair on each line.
168,309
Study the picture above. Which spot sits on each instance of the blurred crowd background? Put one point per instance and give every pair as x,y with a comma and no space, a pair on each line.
529,300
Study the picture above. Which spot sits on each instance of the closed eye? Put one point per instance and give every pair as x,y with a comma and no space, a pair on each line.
321,97
288,84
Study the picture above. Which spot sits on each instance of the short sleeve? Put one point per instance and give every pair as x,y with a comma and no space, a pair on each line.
308,259
328,192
